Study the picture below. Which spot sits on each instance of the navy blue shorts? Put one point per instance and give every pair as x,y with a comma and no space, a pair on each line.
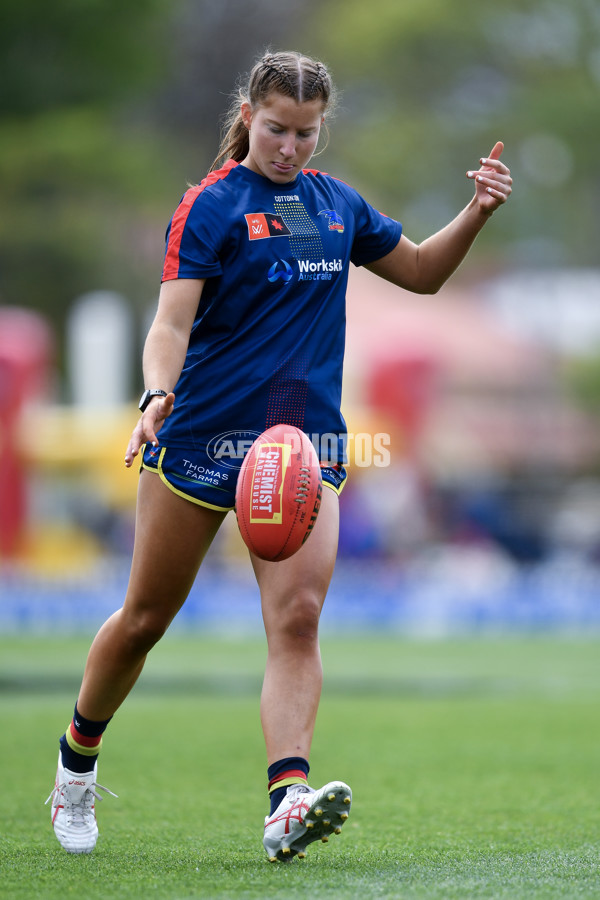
199,477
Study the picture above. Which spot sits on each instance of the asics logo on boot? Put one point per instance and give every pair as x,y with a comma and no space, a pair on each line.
80,783
295,812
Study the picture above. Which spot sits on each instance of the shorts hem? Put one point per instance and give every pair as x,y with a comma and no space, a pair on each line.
158,471
336,490
330,481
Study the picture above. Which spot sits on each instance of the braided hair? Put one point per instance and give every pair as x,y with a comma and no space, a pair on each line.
287,73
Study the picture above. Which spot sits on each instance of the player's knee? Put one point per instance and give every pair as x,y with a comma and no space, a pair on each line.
145,631
300,618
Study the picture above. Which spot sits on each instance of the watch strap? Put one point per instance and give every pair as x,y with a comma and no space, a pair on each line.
149,395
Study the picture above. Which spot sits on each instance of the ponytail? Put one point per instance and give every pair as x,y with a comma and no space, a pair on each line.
235,143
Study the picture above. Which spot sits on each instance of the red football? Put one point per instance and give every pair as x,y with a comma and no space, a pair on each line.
278,493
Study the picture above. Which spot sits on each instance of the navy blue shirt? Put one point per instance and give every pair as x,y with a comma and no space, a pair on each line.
267,344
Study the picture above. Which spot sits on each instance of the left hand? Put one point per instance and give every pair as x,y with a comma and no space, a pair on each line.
493,182
149,423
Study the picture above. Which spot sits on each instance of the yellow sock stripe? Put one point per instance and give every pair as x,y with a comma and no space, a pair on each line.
285,782
79,748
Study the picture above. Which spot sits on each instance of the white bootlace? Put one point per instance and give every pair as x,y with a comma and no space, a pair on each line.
79,809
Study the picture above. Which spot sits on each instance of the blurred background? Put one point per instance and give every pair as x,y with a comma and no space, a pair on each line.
486,395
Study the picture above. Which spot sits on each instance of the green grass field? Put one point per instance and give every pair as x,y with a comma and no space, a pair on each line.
475,766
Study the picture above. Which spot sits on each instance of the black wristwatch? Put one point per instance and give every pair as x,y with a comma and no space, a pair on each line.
147,397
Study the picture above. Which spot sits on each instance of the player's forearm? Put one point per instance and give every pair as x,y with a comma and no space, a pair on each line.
164,356
440,255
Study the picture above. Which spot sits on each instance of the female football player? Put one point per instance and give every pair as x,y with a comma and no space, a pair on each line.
249,332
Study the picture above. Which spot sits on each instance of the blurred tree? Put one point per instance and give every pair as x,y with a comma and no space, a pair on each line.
582,377
429,86
74,170
69,52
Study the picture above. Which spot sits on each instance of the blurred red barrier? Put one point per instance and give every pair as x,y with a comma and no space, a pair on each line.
26,352
403,387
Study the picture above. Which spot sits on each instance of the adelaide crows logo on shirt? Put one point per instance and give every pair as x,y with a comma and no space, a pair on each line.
335,221
265,225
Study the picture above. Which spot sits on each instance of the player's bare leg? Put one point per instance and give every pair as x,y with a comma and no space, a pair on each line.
292,593
172,537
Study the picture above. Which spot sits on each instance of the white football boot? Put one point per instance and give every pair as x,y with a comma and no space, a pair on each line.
73,811
305,815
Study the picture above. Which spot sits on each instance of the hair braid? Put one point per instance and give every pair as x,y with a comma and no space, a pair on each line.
321,77
269,61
